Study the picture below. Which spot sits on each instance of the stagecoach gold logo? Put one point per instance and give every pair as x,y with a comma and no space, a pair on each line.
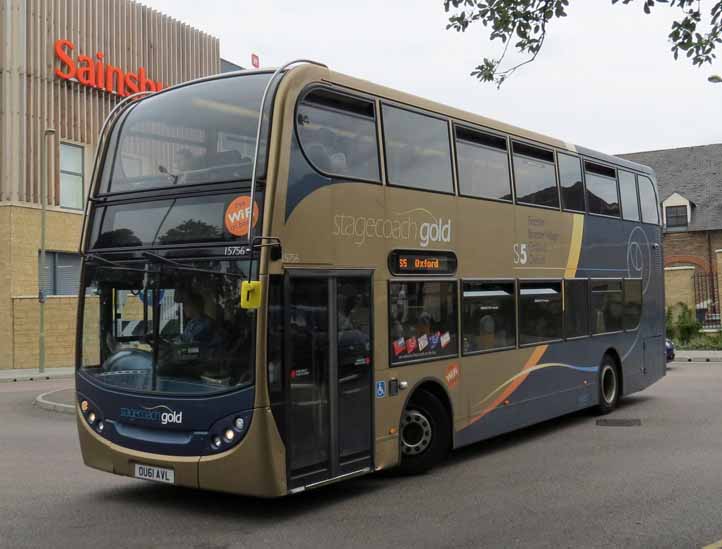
418,225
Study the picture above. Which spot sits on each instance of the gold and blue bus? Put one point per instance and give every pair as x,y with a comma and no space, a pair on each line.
296,277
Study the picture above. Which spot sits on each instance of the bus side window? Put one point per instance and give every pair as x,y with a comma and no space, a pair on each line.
570,179
483,165
607,306
418,151
628,193
632,303
535,176
576,307
602,196
489,316
422,321
540,312
648,200
338,134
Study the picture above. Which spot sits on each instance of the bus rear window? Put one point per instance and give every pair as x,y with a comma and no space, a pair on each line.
422,321
338,134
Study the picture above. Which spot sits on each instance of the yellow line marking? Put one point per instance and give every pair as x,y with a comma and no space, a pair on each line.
575,246
715,545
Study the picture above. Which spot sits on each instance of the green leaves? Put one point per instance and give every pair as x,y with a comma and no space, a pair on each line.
695,33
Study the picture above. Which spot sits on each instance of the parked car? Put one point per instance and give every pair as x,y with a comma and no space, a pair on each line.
669,349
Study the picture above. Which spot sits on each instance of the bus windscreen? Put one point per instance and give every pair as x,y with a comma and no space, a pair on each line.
205,133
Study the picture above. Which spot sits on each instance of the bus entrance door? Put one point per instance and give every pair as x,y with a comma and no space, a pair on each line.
328,369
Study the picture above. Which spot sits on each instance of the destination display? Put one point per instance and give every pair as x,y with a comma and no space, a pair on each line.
409,262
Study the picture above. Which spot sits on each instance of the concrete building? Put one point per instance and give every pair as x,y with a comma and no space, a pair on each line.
690,191
64,65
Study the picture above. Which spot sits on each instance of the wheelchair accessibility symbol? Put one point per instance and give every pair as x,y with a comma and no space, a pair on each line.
380,389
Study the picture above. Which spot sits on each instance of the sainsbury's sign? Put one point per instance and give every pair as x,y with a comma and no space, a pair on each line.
97,74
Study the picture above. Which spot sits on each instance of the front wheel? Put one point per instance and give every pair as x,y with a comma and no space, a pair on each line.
608,385
424,433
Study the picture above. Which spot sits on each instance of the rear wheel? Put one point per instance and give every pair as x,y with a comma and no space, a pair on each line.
608,385
424,433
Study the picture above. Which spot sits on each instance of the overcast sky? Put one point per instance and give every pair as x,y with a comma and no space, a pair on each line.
605,78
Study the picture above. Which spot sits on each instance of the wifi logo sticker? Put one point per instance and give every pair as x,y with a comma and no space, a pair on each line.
237,213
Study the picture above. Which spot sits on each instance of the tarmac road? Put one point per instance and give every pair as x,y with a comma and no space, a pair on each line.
565,483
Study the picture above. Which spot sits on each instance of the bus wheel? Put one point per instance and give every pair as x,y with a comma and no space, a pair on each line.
608,385
424,433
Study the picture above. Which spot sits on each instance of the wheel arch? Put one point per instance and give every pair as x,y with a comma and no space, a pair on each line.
435,387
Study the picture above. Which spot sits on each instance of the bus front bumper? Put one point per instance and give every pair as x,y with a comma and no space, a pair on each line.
255,467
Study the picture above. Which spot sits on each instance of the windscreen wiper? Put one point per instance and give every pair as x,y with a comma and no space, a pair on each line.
182,267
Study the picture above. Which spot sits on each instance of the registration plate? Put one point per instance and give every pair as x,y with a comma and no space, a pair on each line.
151,472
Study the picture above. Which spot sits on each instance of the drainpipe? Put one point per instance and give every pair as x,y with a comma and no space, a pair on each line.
44,156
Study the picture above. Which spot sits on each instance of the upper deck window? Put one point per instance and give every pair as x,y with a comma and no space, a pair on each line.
628,193
338,134
535,176
200,133
648,200
602,194
418,152
483,165
570,179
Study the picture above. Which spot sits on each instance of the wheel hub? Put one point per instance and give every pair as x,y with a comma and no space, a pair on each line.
415,433
609,384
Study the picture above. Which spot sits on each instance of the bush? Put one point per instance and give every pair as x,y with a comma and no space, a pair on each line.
687,324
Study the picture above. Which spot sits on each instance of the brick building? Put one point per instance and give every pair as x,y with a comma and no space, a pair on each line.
64,65
690,191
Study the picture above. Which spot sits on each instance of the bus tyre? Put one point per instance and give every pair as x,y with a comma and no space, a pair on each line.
424,434
608,385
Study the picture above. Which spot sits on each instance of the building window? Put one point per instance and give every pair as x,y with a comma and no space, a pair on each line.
61,275
535,176
489,318
71,176
540,312
676,216
422,321
418,152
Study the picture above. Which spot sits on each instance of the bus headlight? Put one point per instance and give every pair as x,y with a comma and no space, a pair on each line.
228,431
91,417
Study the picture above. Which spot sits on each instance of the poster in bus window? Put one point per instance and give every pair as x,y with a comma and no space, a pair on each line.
445,340
423,342
399,346
411,345
434,341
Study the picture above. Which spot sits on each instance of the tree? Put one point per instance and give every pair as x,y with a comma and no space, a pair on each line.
694,34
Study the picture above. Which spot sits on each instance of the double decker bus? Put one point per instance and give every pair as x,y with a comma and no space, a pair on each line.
296,277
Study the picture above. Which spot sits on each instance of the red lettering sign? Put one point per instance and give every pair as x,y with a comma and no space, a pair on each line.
97,74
